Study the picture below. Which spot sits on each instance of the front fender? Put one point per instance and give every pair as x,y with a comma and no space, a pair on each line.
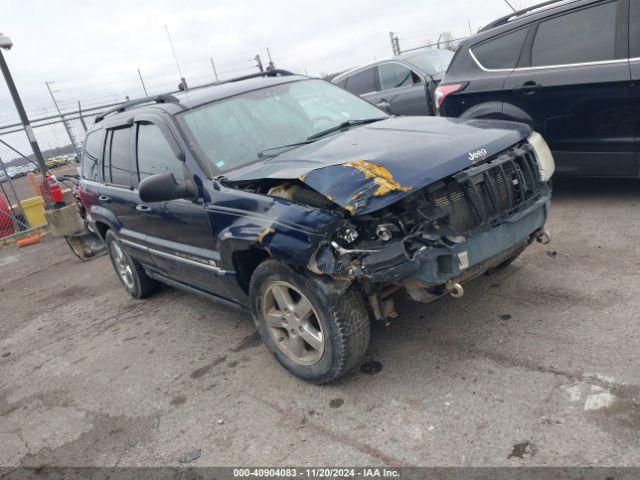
287,241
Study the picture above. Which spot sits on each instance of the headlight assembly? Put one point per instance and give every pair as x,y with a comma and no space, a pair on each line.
546,165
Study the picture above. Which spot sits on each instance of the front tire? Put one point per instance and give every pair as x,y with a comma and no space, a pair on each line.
315,331
131,274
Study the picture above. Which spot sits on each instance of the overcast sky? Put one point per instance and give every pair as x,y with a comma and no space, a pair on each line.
92,49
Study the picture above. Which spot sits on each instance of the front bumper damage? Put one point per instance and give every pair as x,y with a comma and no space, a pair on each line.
432,266
436,271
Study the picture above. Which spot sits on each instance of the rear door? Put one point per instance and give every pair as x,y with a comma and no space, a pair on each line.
493,60
573,81
177,232
634,63
116,193
404,90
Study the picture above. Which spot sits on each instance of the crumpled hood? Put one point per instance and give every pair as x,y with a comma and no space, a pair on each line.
370,167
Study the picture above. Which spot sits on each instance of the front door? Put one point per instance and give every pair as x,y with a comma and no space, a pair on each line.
402,89
178,232
364,84
573,80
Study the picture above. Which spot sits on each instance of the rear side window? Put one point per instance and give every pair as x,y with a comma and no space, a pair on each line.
587,35
634,29
117,155
362,82
92,156
394,75
155,154
501,52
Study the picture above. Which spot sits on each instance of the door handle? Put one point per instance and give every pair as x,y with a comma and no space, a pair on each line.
143,208
529,88
104,198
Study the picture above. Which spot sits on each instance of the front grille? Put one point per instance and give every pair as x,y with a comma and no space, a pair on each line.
482,194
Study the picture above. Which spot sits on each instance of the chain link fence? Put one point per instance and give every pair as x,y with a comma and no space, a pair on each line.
60,137
20,201
445,40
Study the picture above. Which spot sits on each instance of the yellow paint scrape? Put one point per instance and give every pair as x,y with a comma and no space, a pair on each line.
263,234
380,175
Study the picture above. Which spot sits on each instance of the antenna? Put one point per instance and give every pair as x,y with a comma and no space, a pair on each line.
510,6
183,82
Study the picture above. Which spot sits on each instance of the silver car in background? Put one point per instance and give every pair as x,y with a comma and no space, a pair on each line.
401,85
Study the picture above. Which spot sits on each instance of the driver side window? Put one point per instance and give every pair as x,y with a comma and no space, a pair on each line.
155,154
394,75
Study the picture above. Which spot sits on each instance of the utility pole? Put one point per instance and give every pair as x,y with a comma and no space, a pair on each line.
271,65
5,43
395,43
64,121
259,62
469,22
215,73
142,82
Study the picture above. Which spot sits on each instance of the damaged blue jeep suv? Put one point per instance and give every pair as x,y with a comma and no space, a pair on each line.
309,207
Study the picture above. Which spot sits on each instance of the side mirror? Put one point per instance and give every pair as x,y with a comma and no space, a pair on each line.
384,106
163,186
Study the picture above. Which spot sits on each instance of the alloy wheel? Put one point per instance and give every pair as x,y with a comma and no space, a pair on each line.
293,323
123,268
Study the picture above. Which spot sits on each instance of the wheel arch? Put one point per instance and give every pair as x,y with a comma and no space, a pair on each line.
245,262
486,110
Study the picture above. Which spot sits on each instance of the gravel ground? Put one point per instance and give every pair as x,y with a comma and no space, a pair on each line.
535,365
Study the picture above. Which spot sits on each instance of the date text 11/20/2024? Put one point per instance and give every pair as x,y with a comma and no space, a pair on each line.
316,472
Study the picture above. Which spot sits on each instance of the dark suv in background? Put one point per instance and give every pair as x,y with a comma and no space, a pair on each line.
295,200
402,85
569,69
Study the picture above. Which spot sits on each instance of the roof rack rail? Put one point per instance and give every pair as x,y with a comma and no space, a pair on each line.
268,73
164,98
521,13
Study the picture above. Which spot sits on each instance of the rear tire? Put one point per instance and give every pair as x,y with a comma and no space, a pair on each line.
315,331
131,274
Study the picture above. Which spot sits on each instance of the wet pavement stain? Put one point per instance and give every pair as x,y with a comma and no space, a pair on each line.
520,450
504,317
189,457
249,341
179,400
202,371
371,367
336,403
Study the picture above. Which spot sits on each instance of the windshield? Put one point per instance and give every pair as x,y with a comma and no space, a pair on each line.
232,132
431,61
